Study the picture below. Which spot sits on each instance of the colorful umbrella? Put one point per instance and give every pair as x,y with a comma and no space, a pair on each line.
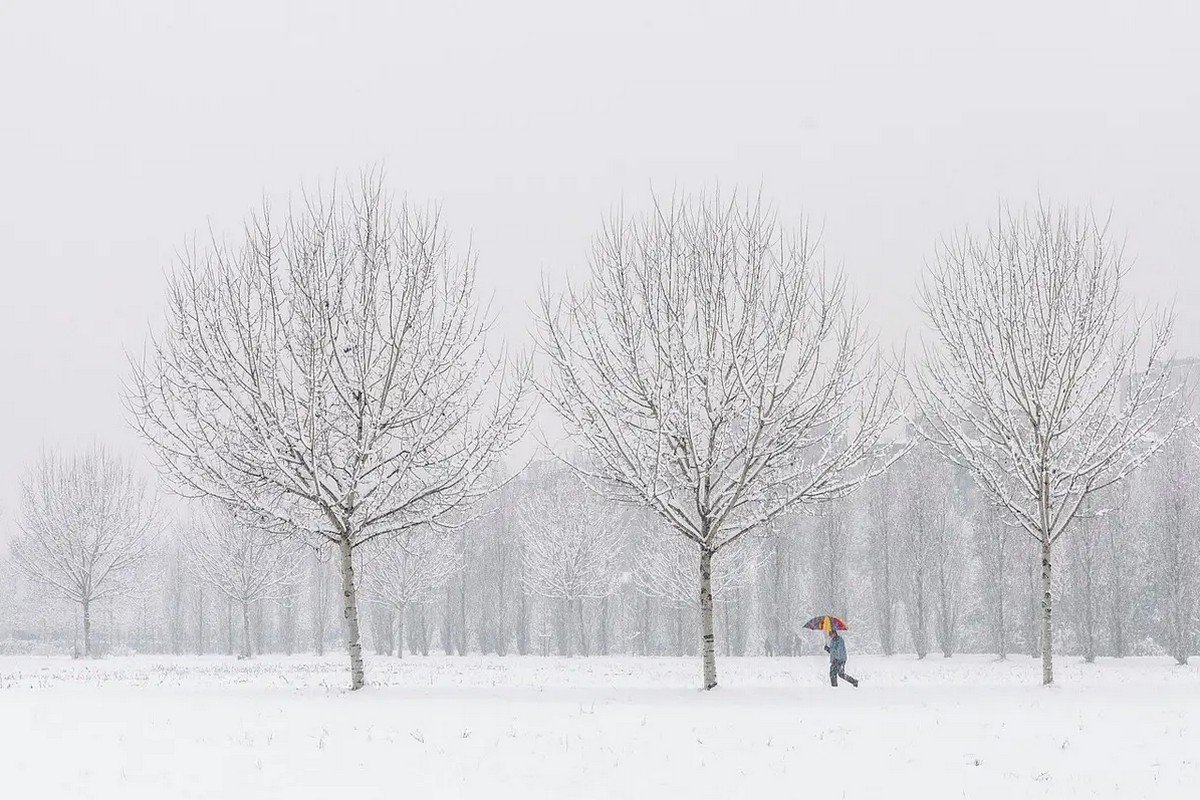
826,622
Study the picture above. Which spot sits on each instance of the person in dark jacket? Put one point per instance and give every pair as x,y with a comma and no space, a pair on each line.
837,659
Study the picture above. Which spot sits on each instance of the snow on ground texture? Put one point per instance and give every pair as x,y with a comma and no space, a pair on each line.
626,728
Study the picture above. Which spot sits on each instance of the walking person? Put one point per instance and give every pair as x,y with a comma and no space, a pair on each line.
837,658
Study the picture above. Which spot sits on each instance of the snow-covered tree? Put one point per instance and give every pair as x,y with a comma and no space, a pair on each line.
571,547
884,543
993,546
1037,378
410,570
328,374
949,556
1120,543
1085,547
245,564
87,525
712,370
925,547
1172,530
832,541
924,506
779,591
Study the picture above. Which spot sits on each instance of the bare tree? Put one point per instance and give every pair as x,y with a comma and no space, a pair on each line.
1036,380
1173,532
831,561
884,544
923,500
87,525
1085,547
712,371
571,548
927,559
779,596
408,570
329,375
993,552
245,564
949,566
1118,569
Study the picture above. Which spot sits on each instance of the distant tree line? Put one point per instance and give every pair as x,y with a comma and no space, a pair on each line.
950,578
738,455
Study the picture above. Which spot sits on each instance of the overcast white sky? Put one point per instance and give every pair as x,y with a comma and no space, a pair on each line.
125,127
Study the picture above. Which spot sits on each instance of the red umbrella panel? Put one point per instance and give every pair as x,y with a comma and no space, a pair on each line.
826,622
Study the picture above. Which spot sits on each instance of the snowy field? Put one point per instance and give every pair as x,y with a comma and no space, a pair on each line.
625,728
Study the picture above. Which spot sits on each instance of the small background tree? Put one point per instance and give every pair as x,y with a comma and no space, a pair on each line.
571,551
87,526
245,564
409,570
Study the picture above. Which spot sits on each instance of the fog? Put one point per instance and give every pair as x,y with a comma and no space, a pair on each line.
126,128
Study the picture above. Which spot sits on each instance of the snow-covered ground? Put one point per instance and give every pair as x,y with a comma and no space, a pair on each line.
625,728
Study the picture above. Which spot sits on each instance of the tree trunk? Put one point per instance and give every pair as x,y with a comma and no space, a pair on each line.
177,615
725,628
464,630
645,644
945,614
246,652
583,637
603,630
1117,605
501,641
350,611
522,623
320,606
1179,620
1047,630
260,629
562,629
448,622
1089,621
424,627
678,644
1001,621
400,631
922,637
229,624
199,618
289,622
87,628
707,637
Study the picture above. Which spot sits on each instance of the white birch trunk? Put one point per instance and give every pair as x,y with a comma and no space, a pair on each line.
350,611
707,635
87,629
1047,630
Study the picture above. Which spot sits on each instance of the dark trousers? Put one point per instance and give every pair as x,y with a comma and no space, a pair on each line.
838,669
